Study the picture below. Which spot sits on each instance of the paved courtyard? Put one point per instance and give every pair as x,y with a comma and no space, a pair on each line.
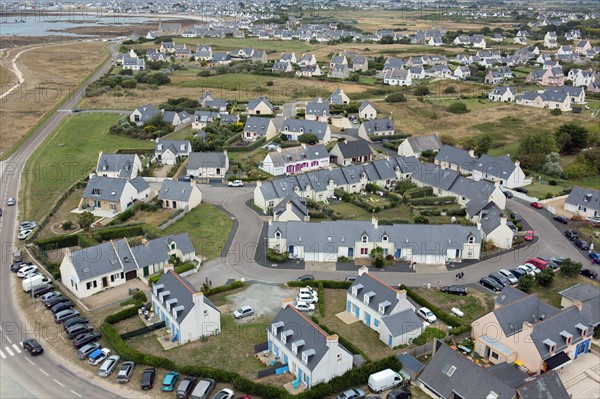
582,377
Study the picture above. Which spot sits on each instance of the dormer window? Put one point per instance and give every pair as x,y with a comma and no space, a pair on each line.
278,235
471,239
276,326
384,238
356,289
367,297
365,238
551,345
582,329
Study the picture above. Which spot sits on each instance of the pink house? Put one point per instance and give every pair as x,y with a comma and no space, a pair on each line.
553,77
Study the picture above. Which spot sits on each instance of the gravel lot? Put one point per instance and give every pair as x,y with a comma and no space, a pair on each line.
264,299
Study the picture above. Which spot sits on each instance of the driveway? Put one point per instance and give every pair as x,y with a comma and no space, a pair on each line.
264,299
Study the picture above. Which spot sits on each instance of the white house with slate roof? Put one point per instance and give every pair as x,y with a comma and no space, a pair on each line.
167,151
326,241
584,202
383,309
257,127
90,270
176,118
104,196
317,110
186,311
260,106
376,127
208,165
414,146
121,166
312,355
179,195
292,208
350,152
586,298
338,97
143,114
294,128
502,94
296,159
367,111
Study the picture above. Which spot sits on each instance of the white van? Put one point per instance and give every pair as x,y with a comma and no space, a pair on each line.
385,379
33,281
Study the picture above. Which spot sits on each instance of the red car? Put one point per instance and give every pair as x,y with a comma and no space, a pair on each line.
529,235
537,205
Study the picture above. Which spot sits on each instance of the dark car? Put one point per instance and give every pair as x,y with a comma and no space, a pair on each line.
500,279
521,190
518,273
551,263
16,266
507,194
41,290
351,278
73,321
78,329
185,388
582,244
306,277
53,301
491,284
148,378
515,216
400,393
62,306
589,273
571,235
455,289
561,219
595,257
33,347
86,338
65,315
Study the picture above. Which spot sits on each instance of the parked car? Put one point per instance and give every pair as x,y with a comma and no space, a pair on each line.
305,307
384,380
533,268
454,289
86,338
75,320
33,347
244,311
148,378
512,279
518,273
521,190
10,201
109,366
78,329
62,306
491,284
537,205
15,267
85,351
98,356
27,225
558,260
571,235
500,279
529,235
595,256
23,234
507,194
351,278
49,303
308,298
41,290
204,388
185,387
537,262
589,273
561,219
306,277
169,381
426,315
399,393
308,290
224,394
26,271
582,244
236,183
65,315
515,216
549,261
125,372
528,269
352,394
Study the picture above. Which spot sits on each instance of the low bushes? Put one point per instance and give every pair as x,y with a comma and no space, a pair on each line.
321,298
224,288
112,233
258,143
329,284
432,200
121,315
186,267
85,241
418,192
71,240
277,257
390,137
445,317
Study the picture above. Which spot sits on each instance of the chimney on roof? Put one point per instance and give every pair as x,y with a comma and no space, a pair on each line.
472,153
497,183
258,183
169,266
270,221
375,221
478,226
503,220
363,270
198,297
332,340
517,164
401,295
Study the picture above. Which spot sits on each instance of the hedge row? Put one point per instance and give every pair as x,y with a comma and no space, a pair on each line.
258,143
322,298
186,267
432,200
85,241
224,288
121,315
71,240
113,233
445,317
52,267
139,151
343,341
389,138
418,192
274,256
329,284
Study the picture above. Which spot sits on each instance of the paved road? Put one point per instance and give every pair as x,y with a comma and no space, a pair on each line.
20,375
239,260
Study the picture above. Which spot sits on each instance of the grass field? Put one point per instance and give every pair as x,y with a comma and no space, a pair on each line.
474,305
208,228
67,156
551,294
51,73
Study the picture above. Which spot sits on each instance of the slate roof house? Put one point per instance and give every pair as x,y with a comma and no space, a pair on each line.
186,311
260,106
312,355
201,119
121,166
367,111
134,63
294,128
398,77
586,298
208,101
90,270
167,151
420,243
537,335
383,309
502,94
282,67
257,127
414,146
292,208
350,152
584,202
179,195
295,159
109,196
338,97
376,127
143,114
317,110
176,118
208,166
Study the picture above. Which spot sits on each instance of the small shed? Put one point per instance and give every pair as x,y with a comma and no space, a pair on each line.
410,365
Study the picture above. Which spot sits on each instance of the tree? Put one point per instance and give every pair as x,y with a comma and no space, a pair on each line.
308,139
377,257
483,144
570,268
458,108
571,137
448,140
582,166
85,220
545,277
421,91
526,283
450,90
355,77
533,149
552,166
395,98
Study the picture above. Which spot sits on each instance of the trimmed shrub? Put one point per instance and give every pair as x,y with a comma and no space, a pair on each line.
277,257
258,143
121,315
460,330
224,288
113,233
85,241
418,192
184,268
321,297
329,284
71,240
429,335
432,201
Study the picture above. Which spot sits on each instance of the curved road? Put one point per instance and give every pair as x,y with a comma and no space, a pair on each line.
20,375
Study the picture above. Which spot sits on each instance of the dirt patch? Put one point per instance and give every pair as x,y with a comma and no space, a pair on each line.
264,299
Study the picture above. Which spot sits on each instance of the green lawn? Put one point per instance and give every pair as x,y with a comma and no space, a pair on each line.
208,228
551,295
231,81
181,135
474,305
69,154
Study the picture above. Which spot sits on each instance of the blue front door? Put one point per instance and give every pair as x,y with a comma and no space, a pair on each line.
284,359
583,347
291,249
367,319
398,252
390,341
356,311
349,306
350,252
